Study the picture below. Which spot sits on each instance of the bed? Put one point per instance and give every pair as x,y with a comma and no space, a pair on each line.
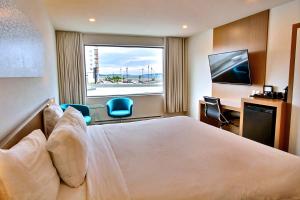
181,158
174,158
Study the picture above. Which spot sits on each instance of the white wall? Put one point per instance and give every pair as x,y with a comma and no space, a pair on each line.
278,61
144,105
199,47
279,43
20,96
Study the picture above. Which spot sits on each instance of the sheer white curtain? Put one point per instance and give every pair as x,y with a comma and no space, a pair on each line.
175,75
70,67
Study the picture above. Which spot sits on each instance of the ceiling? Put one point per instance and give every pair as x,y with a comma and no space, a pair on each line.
151,17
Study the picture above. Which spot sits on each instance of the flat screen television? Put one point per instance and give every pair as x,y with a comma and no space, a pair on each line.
230,67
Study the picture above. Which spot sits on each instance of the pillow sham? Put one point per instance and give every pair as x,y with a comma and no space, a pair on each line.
27,172
51,116
68,147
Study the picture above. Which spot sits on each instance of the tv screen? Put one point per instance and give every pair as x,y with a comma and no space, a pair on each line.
230,67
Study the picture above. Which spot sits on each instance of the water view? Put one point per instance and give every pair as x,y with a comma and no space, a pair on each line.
114,70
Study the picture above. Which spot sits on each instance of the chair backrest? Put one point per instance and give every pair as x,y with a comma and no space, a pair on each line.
82,108
121,103
213,107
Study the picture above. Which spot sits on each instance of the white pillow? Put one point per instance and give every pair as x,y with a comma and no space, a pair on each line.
68,147
26,170
51,116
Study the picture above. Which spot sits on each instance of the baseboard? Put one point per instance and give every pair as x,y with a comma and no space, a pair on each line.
113,121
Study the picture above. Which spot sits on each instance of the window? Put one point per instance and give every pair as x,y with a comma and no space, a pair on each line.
116,70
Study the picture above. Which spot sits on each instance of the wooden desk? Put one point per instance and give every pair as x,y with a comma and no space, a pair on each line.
227,104
281,138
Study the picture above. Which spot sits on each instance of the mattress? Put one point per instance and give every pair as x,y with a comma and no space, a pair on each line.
180,158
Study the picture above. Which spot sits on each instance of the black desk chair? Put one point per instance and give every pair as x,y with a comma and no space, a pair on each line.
213,110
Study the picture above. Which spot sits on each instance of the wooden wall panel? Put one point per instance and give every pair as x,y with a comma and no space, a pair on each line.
248,33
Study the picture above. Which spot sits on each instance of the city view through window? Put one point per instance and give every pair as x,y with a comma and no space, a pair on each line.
112,70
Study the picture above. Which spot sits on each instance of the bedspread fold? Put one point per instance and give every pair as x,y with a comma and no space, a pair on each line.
104,177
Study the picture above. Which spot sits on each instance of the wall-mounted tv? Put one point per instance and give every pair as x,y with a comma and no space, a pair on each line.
230,67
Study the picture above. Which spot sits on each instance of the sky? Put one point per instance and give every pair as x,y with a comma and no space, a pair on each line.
112,59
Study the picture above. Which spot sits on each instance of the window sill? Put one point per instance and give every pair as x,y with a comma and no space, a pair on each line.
129,95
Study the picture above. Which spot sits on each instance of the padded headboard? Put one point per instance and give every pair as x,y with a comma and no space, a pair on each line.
33,122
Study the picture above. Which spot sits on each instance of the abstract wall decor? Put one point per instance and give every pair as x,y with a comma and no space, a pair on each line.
21,44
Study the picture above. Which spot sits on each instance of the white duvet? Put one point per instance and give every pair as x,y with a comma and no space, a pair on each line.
180,158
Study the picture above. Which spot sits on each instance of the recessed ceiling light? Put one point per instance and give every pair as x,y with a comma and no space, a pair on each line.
92,19
184,26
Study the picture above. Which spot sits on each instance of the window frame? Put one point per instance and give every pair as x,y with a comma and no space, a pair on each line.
127,46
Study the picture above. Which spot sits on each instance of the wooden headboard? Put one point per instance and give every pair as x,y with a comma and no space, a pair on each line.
33,122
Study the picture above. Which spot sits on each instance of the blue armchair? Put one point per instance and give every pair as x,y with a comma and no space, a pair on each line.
119,107
82,108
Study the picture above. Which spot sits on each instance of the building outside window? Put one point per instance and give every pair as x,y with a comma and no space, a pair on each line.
119,70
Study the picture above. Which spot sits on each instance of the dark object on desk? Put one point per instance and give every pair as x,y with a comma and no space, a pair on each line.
270,95
285,94
259,123
268,88
213,110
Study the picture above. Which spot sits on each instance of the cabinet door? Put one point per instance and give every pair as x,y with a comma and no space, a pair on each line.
295,118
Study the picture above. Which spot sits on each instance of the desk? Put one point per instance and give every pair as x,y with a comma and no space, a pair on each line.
227,104
281,138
